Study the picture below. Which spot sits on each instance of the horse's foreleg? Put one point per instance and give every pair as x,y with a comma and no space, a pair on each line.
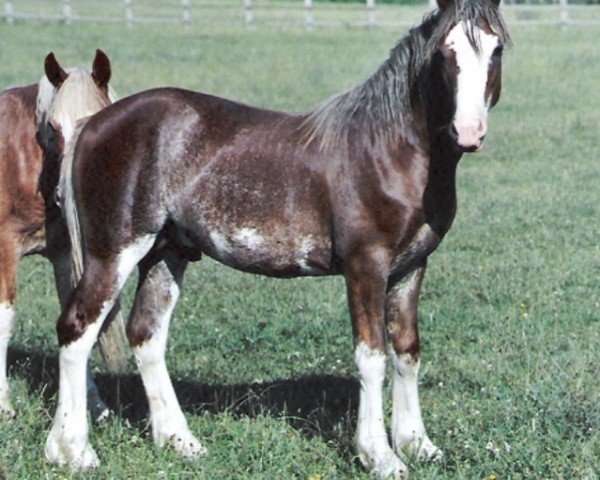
147,330
408,430
366,279
9,257
61,263
78,328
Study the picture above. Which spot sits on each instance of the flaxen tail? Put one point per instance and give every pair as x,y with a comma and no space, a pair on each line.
112,340
68,205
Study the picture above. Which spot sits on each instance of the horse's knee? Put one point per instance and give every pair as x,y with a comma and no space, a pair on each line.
406,342
92,301
138,331
70,326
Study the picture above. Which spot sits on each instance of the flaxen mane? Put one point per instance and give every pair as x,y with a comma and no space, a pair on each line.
380,107
81,83
72,104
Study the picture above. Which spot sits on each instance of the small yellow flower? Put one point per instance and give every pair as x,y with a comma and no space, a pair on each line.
492,476
316,477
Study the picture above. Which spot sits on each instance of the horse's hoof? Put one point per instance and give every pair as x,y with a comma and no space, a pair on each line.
75,457
186,445
389,466
101,416
428,451
421,449
88,459
6,411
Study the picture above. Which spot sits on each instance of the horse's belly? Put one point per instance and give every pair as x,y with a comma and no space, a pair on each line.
280,253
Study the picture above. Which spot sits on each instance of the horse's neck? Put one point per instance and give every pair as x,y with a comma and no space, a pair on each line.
439,198
439,158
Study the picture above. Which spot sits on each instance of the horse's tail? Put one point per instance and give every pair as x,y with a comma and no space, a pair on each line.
112,340
68,205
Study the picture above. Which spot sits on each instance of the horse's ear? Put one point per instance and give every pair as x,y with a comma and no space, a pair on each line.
443,4
54,71
101,69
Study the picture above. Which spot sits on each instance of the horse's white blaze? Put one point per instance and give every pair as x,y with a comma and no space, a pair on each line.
470,119
169,426
371,438
7,315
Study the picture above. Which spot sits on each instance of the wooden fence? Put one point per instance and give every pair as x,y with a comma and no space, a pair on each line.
253,12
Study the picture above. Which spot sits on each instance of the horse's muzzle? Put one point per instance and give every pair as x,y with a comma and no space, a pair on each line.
468,137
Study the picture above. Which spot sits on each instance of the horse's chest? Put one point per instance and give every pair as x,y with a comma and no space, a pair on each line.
424,241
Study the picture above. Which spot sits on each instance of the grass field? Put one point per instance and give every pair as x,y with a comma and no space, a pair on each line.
510,313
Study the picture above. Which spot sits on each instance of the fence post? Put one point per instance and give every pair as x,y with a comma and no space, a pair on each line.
186,11
9,12
308,18
371,12
67,12
248,12
564,12
128,13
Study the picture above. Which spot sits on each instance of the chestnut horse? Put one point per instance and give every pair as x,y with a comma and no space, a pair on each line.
30,221
363,186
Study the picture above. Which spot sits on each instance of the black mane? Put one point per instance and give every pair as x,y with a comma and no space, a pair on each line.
380,107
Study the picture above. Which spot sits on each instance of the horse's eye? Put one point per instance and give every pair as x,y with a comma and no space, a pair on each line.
498,51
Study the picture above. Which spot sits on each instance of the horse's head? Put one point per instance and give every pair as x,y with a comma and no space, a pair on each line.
468,55
67,96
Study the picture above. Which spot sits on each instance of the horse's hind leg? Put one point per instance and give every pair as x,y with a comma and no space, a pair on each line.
78,328
408,430
61,263
147,330
9,257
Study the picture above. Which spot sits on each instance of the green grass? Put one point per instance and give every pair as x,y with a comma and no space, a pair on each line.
510,320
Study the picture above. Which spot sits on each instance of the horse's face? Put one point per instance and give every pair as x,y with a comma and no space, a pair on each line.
473,75
77,94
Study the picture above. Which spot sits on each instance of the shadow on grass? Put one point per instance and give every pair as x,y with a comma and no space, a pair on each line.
317,405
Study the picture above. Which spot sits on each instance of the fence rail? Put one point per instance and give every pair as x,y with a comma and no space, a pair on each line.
251,12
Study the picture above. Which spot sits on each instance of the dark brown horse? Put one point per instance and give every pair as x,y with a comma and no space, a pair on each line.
30,220
364,187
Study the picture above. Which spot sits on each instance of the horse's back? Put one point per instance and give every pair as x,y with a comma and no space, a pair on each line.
233,177
20,161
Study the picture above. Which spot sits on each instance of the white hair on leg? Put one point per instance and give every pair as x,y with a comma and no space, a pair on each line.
67,442
374,450
169,425
408,430
7,316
